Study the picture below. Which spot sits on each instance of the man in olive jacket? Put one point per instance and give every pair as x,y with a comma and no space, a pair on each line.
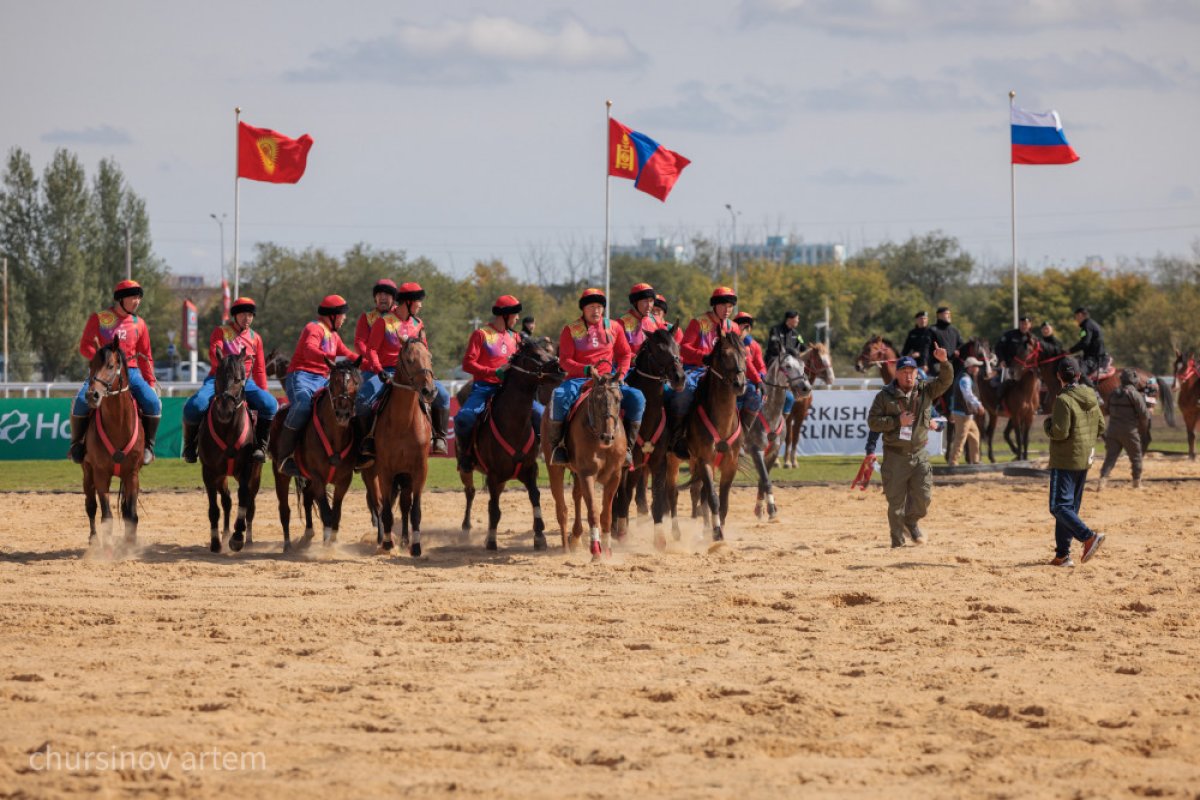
901,412
1073,427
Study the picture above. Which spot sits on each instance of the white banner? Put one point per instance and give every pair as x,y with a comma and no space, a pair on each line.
836,425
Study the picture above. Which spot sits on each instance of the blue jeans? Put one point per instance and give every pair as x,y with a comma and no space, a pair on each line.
680,402
300,387
476,402
372,385
633,402
1066,495
147,401
789,401
259,400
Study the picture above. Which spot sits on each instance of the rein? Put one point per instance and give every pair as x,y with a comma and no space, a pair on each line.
117,456
712,431
243,436
335,459
508,448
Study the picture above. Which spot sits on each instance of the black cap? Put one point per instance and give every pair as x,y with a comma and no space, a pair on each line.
1068,370
527,320
1046,324
1024,318
791,314
920,314
943,308
1081,310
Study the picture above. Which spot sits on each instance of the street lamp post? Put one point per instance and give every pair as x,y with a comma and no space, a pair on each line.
128,254
221,224
733,246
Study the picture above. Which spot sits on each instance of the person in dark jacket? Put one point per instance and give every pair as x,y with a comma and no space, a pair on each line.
1006,349
1128,420
946,335
919,343
785,338
1073,427
1090,345
1051,344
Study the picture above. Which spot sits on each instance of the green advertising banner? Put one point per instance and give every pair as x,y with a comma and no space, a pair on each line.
40,428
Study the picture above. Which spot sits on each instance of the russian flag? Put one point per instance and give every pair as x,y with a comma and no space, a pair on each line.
1038,138
652,167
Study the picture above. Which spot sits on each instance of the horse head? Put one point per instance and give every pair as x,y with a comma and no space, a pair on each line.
1028,354
344,381
604,406
536,362
979,349
659,359
727,361
817,363
414,369
794,373
108,374
229,387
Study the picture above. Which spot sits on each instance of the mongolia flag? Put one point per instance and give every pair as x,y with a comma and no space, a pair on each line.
652,167
264,155
1037,138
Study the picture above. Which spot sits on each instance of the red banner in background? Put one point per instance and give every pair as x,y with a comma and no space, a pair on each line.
190,326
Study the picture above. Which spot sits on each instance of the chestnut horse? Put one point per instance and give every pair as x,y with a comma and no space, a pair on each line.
403,431
817,364
1153,388
595,440
224,448
1187,383
324,453
714,434
765,429
114,442
878,352
504,441
656,363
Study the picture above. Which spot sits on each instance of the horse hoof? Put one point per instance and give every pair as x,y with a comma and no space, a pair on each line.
236,542
660,542
491,544
758,512
718,536
386,545
539,540
404,541
773,516
414,550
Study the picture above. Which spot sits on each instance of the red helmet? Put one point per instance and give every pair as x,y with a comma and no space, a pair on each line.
743,317
660,302
384,285
410,291
506,304
127,289
722,294
641,291
243,304
592,296
333,304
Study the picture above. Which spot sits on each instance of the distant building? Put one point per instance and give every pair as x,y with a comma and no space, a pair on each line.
650,249
782,250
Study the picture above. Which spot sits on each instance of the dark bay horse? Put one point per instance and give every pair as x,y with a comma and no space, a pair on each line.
277,366
1187,384
765,429
324,453
714,433
114,442
656,364
403,432
224,447
817,365
504,441
595,440
1020,402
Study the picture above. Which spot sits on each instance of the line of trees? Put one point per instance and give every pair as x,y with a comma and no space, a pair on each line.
65,240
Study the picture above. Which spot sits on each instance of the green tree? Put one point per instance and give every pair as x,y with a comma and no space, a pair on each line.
934,263
19,232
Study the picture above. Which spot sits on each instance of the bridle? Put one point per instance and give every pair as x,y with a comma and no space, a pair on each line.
233,397
343,403
732,378
540,374
118,371
419,380
602,397
664,371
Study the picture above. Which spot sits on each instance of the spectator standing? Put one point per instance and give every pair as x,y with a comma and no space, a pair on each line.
1073,427
1128,419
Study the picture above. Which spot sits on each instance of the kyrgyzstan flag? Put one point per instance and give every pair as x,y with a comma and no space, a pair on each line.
633,155
264,155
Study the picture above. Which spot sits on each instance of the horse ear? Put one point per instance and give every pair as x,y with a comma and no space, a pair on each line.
329,362
357,362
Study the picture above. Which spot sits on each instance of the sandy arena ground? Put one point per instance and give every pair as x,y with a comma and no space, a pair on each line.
804,658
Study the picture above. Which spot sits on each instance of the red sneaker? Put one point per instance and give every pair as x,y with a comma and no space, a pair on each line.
1091,546
1064,561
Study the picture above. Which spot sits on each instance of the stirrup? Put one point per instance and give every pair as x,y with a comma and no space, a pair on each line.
147,456
438,445
78,451
559,455
289,467
259,454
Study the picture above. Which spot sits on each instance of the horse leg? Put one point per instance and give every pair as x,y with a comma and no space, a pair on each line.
468,482
238,539
309,495
1191,428
643,507
606,510
226,502
339,492
557,476
370,479
672,479
405,509
727,476
106,516
711,508
529,478
418,486
326,511
624,486
283,485
989,432
587,487
383,507
214,512
658,502
129,498
495,489
764,487
89,502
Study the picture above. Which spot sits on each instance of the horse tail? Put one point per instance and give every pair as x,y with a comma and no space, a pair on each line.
1168,401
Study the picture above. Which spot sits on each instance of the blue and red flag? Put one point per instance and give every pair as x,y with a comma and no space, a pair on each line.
652,167
1038,138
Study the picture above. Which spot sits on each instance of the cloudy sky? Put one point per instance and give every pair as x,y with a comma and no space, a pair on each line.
466,131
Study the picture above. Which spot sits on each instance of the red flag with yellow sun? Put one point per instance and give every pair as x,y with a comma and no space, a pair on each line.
265,155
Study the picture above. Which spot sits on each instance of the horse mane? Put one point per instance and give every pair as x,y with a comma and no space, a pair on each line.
98,358
821,348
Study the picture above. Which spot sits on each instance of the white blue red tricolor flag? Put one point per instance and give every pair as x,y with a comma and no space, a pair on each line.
1038,138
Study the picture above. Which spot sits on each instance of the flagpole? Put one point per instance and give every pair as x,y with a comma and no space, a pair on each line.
237,213
607,182
1012,193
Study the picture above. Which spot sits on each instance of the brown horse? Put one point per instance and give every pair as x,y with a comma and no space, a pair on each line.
765,429
817,364
277,366
656,364
1155,389
504,441
324,453
714,433
878,352
596,443
1187,383
1020,402
403,431
225,445
114,442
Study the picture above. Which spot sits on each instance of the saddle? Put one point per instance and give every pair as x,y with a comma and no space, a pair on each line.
1105,370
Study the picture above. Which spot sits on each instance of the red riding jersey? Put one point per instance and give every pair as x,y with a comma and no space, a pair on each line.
488,349
700,337
581,345
318,342
638,327
228,341
754,360
388,335
362,330
130,332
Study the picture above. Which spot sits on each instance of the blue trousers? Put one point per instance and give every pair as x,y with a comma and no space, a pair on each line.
468,414
373,383
259,400
147,401
680,402
300,387
789,401
633,402
1066,495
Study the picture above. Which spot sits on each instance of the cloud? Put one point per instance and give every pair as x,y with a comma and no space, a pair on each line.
101,135
885,18
724,109
1106,69
837,176
873,92
481,49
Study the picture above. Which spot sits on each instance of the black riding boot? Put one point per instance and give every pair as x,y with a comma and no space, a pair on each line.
678,434
262,437
191,433
364,431
439,418
631,434
78,434
286,447
151,424
554,438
